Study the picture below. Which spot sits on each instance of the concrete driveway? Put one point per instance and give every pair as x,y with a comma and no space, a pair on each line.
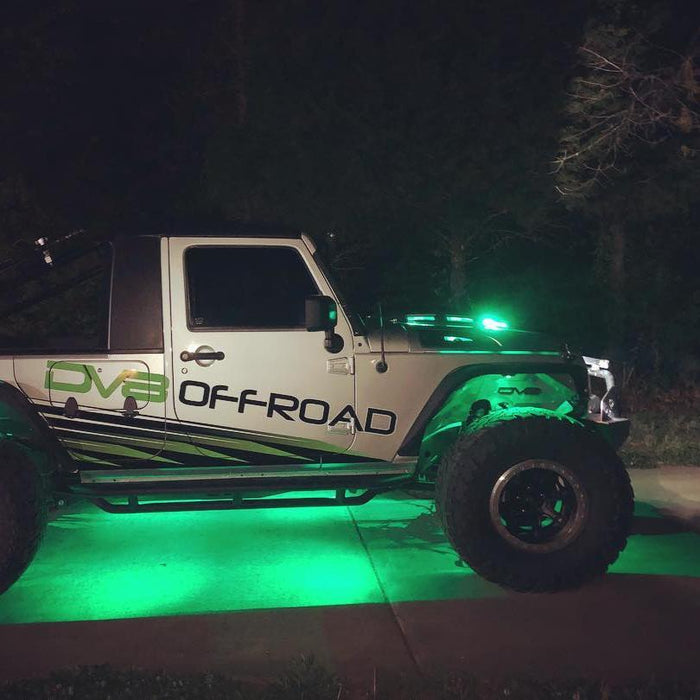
375,586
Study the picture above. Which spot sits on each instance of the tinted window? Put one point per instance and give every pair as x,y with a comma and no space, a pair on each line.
247,287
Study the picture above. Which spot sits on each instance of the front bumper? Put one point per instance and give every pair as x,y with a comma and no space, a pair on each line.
604,407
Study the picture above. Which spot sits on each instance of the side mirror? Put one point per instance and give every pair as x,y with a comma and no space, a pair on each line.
322,315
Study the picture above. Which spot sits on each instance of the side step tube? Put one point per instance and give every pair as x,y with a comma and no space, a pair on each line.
133,505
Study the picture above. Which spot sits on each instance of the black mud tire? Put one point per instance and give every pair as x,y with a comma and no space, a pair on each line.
23,511
468,478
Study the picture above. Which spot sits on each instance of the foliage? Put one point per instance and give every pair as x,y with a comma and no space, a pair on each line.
308,681
630,94
305,678
401,128
419,134
97,682
665,424
628,164
668,436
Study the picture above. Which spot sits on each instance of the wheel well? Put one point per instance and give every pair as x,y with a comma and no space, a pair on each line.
560,389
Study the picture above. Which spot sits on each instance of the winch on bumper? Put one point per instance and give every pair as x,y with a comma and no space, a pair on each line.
604,402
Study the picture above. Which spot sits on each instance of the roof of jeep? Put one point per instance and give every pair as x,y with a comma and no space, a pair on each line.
233,229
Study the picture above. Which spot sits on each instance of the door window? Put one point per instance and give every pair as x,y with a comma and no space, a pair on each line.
246,287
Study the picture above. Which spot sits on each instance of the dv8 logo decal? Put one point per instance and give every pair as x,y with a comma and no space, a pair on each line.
80,378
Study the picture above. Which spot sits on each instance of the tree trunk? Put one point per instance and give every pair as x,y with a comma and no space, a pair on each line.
238,39
617,284
458,272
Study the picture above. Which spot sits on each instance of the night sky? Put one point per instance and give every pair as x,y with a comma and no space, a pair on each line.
422,134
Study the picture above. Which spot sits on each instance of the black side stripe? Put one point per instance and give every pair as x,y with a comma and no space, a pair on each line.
114,425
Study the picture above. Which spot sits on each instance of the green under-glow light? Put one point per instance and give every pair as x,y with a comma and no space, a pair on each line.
459,319
492,324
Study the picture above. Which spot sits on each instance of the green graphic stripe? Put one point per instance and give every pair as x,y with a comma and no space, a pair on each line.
119,450
146,443
198,431
213,441
160,445
188,448
243,445
184,447
82,457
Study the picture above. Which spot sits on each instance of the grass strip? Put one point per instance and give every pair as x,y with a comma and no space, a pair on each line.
663,437
304,679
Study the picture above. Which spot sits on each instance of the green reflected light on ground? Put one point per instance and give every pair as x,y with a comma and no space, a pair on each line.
95,565
661,547
667,555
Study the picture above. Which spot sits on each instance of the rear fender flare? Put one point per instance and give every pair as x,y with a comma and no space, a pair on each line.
21,423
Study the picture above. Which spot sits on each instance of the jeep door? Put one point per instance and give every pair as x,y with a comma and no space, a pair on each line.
250,384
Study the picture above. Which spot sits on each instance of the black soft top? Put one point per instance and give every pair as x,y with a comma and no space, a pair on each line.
217,230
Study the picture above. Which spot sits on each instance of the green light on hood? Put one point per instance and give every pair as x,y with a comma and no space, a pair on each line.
456,339
412,318
492,324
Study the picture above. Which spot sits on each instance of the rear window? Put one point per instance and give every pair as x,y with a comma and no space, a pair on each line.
60,307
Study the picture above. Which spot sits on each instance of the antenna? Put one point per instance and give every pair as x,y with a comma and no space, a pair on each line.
381,366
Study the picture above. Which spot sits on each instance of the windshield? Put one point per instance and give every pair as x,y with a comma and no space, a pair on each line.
358,327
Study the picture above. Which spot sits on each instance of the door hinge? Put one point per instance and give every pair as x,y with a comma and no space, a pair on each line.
341,365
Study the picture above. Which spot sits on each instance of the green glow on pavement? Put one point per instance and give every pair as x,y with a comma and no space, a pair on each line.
94,565
668,549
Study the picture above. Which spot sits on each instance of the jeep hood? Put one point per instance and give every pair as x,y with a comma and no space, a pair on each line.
438,334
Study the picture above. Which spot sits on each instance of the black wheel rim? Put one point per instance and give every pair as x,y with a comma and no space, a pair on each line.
538,506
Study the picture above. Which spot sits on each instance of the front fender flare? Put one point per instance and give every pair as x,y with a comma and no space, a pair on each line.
411,444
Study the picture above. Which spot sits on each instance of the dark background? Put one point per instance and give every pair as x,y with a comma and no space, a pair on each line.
421,135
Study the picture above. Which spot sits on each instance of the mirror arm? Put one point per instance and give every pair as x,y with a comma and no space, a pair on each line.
332,341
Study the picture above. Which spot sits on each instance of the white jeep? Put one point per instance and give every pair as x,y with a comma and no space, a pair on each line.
224,370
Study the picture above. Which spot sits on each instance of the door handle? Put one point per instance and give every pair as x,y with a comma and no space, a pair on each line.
187,356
